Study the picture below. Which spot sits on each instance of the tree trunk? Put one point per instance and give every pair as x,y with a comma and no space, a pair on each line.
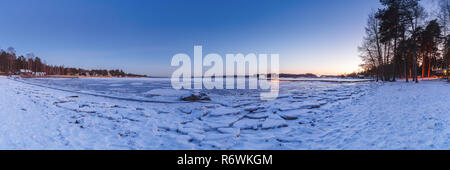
394,60
415,64
429,65
377,73
405,69
423,65
448,60
380,55
387,48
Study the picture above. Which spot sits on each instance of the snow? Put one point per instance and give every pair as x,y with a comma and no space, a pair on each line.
146,113
165,92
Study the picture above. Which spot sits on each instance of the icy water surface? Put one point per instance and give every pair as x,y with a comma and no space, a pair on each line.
142,88
233,119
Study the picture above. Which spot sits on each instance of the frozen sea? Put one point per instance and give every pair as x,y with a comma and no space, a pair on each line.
160,89
146,113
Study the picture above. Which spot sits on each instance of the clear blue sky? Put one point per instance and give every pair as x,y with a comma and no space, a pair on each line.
318,36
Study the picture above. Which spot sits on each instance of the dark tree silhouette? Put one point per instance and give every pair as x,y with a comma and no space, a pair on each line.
397,34
10,64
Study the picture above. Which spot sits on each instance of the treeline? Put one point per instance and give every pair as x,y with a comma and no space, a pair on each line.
11,64
403,41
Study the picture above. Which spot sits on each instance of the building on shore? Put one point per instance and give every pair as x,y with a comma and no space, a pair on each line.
39,74
29,73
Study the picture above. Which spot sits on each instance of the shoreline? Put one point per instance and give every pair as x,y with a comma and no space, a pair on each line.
377,116
70,76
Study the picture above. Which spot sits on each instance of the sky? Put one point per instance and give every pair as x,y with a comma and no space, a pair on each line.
142,36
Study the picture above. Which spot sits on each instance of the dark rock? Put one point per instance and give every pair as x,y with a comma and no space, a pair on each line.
196,96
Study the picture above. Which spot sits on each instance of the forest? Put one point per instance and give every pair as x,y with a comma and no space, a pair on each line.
11,64
405,41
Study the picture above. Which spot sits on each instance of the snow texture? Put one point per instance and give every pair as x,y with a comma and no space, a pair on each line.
147,114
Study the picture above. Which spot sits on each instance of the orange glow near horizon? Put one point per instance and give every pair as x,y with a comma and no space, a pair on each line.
327,62
322,71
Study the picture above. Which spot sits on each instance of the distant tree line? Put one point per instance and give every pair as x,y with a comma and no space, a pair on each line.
10,64
307,75
403,41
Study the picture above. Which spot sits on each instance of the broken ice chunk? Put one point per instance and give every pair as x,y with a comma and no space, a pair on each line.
274,121
235,131
195,96
224,111
293,114
248,124
166,93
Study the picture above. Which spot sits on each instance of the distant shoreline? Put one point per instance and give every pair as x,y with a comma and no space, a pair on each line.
71,76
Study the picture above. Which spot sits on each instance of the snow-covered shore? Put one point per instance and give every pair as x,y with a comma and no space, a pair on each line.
308,115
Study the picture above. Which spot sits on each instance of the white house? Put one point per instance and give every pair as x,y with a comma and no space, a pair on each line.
25,71
39,74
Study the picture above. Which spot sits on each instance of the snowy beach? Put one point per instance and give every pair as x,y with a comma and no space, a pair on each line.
148,114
